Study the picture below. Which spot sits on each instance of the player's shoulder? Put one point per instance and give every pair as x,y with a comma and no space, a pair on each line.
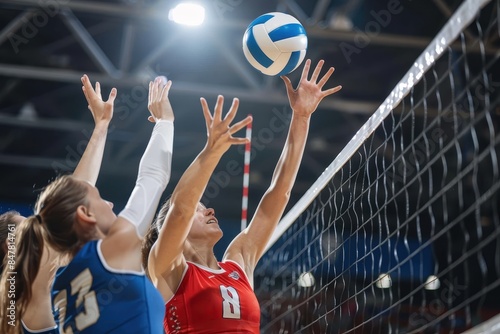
232,264
122,238
87,257
51,330
88,249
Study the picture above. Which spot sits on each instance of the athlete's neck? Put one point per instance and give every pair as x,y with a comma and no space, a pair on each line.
202,256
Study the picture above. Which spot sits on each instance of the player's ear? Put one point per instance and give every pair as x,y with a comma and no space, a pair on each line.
83,215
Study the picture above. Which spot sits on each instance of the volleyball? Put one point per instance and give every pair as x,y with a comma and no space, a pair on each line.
275,43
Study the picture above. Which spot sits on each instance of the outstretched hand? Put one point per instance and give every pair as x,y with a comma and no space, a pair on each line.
102,111
158,102
306,97
220,131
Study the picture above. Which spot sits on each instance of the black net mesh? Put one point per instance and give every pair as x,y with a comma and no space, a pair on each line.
405,237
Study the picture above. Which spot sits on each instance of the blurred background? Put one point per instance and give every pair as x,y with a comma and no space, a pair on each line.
47,45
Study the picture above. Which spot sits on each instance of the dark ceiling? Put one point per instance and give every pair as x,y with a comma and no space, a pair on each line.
46,45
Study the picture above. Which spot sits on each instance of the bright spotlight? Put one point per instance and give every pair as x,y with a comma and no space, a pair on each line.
306,280
187,13
383,281
432,283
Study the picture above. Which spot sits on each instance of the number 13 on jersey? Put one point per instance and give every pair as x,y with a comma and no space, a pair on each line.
90,314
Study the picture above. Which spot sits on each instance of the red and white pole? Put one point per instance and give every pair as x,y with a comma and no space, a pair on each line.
246,177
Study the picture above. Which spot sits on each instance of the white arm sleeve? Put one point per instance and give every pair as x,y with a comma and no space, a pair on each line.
154,174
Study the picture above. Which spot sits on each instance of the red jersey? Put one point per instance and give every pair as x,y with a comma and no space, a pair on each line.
212,301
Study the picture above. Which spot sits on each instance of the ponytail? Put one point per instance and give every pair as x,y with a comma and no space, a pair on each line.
8,223
56,224
152,235
21,267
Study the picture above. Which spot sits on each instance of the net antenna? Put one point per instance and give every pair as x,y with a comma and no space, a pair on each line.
246,177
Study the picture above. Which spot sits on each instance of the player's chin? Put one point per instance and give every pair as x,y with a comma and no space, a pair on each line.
218,231
214,228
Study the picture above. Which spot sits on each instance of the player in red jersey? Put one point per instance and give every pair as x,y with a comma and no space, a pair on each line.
204,295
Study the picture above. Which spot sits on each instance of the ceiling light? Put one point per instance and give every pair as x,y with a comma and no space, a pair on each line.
190,14
28,112
432,283
306,280
384,281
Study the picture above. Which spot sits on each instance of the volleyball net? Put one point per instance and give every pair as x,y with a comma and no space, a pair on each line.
401,233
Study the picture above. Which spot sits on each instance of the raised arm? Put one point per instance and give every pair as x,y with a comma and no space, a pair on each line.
37,313
102,112
248,246
166,258
121,247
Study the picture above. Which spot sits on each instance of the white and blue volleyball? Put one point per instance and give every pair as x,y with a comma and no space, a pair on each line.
275,43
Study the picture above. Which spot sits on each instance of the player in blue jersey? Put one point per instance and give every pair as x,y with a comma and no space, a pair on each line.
102,289
37,315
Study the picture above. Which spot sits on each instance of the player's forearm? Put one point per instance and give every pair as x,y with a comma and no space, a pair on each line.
274,201
190,188
288,165
154,174
156,162
90,163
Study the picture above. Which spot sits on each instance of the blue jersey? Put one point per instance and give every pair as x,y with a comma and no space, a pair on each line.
51,330
91,297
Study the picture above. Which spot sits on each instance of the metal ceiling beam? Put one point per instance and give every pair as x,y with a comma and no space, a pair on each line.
63,166
7,89
68,40
88,43
92,7
31,161
319,11
260,96
235,62
50,124
151,13
57,163
129,33
160,50
296,10
15,24
63,125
